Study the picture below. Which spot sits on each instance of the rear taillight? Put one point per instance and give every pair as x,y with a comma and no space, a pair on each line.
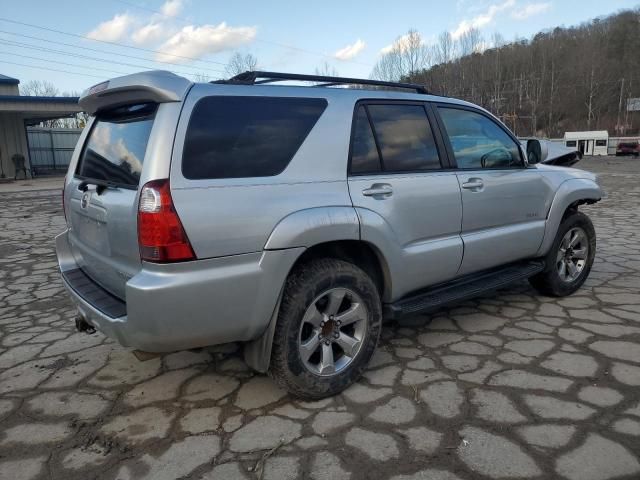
160,233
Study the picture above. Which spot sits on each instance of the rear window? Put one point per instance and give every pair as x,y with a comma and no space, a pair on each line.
114,151
235,137
404,137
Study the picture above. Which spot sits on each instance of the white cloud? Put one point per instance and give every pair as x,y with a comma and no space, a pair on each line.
530,10
112,30
483,19
151,33
350,51
197,41
171,8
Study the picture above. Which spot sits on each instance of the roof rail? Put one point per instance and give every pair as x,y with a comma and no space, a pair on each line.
259,77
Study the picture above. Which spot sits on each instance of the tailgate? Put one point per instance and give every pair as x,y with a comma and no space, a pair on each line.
102,196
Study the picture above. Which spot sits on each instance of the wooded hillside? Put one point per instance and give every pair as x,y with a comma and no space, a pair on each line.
576,78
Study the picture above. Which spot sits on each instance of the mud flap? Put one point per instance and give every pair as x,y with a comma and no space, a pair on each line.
257,353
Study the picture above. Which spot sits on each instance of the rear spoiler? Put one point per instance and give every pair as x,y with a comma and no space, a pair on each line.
153,86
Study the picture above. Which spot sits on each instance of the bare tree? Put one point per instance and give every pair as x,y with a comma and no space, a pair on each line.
39,88
407,56
201,77
497,40
239,63
564,79
445,50
43,88
387,68
326,69
414,54
470,42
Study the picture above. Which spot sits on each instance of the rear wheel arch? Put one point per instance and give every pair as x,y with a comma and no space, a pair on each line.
360,253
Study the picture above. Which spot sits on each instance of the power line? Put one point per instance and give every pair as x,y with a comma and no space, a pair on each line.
107,52
269,42
65,63
84,37
88,57
50,69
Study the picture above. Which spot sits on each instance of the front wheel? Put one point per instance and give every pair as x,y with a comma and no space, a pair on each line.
569,261
328,328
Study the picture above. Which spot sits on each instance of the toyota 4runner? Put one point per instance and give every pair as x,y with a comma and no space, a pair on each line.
295,218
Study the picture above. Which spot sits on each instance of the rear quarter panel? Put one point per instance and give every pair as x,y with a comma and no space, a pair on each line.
237,215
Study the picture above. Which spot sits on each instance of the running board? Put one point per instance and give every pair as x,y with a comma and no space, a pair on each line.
461,289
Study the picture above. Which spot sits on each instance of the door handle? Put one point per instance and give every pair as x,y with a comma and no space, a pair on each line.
378,190
473,184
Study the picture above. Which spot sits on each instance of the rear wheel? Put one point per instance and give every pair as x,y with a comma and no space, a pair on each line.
569,261
328,328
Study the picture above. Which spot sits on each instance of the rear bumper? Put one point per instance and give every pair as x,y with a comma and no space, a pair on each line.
186,305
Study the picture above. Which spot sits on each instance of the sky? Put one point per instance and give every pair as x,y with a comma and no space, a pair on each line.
75,43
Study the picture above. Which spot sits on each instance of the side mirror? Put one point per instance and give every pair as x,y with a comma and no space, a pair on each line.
537,151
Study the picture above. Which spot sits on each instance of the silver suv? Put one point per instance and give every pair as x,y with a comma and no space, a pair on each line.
295,218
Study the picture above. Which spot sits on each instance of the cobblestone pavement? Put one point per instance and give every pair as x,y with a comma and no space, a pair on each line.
513,385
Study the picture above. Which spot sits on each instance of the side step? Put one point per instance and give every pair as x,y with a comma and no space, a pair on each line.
462,289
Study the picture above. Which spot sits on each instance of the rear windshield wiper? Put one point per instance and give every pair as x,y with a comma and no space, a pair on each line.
101,185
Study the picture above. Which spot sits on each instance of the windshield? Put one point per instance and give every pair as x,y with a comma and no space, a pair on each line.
115,149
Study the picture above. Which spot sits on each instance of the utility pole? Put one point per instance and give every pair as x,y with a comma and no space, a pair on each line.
619,127
626,109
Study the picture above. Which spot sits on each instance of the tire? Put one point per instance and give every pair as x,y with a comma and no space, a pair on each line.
310,295
555,280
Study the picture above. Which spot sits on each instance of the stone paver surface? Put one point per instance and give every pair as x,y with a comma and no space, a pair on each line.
510,385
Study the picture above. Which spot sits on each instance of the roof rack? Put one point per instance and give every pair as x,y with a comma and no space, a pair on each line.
259,77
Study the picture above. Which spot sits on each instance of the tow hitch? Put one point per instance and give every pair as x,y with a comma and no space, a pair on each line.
83,326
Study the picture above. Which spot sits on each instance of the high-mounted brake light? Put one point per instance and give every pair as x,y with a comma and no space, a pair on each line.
160,234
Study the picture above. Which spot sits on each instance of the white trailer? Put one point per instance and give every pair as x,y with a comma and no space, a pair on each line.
588,143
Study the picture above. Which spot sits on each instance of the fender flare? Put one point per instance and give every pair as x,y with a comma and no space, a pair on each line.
572,191
312,226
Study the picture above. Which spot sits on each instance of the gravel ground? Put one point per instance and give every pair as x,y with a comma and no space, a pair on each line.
512,385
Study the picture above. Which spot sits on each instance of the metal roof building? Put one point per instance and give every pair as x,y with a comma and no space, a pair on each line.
17,111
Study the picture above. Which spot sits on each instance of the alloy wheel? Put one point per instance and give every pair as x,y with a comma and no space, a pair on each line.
332,331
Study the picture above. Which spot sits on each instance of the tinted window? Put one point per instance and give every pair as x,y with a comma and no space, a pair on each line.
405,137
601,143
230,137
571,143
364,154
116,145
479,142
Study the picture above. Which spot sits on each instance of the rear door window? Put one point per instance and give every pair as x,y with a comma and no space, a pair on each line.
364,153
404,137
235,137
114,151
